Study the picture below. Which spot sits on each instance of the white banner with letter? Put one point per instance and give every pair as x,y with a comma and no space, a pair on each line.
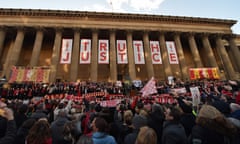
66,52
172,54
85,51
138,52
122,52
155,52
103,52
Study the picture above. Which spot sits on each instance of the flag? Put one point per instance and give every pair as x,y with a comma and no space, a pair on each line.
149,88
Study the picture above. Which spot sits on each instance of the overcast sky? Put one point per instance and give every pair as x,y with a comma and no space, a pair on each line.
221,9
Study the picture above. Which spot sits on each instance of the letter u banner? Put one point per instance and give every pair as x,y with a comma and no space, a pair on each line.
203,73
85,51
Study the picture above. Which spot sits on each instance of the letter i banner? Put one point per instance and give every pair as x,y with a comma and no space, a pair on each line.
66,51
138,52
172,54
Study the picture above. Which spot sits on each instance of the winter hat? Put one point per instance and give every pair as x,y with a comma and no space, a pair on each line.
209,112
139,121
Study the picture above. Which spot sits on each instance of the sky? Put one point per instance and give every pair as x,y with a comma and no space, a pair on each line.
220,9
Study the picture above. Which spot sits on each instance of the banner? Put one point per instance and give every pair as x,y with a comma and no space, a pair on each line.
203,73
122,52
149,88
138,52
66,52
155,52
85,51
172,54
195,96
103,52
26,74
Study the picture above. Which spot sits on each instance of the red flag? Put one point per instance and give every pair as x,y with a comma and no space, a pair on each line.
149,88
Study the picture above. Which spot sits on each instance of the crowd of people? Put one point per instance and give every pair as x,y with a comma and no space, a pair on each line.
27,117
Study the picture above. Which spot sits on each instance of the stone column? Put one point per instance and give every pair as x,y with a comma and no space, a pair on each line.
167,67
2,38
75,56
5,65
149,65
235,51
225,59
131,64
194,50
208,51
113,58
37,47
181,56
16,50
55,55
94,56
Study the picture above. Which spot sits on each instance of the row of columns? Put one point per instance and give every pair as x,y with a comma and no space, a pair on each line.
14,53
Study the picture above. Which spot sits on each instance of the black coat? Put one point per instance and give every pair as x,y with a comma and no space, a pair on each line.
10,133
131,138
173,133
206,136
155,121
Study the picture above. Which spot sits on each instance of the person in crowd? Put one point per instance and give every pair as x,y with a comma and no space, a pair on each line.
68,134
22,132
7,125
138,107
212,127
85,140
57,127
39,113
126,127
40,133
88,118
187,118
146,135
100,136
63,105
156,119
173,131
235,111
138,122
21,115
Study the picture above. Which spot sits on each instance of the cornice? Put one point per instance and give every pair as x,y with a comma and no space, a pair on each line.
112,16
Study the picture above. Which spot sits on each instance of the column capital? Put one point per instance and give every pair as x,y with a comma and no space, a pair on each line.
3,27
59,29
129,31
174,33
112,30
40,28
76,29
145,31
94,30
229,36
188,34
162,32
204,34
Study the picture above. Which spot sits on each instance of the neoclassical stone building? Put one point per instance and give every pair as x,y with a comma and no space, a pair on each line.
116,46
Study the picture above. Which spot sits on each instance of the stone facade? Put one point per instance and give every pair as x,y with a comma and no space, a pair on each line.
32,38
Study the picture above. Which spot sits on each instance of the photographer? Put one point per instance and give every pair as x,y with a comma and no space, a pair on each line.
7,118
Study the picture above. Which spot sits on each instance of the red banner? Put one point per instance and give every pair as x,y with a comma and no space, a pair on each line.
203,73
26,74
